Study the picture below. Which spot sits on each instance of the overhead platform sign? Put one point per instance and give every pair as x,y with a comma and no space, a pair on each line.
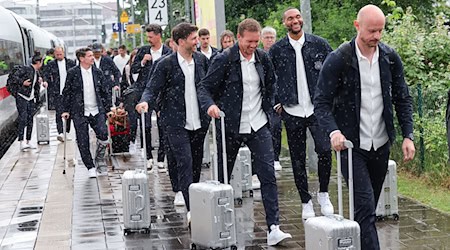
157,12
124,17
133,28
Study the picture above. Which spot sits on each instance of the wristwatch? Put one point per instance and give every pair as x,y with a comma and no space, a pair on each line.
410,136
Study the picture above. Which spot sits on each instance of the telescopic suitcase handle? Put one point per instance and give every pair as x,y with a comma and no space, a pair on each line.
64,121
349,146
144,142
224,150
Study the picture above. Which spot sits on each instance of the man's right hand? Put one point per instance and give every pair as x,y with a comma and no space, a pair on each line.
142,106
27,82
65,115
147,57
337,141
213,111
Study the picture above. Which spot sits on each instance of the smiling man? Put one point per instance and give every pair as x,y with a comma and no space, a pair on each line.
175,81
86,100
297,59
239,82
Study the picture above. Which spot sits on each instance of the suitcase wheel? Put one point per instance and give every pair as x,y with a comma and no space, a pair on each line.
380,218
193,246
396,216
234,247
239,201
126,232
251,193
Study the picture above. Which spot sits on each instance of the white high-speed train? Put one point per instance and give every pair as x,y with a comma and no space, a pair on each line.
19,38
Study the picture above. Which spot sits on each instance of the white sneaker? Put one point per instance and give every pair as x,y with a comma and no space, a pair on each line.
60,137
188,218
326,208
92,173
308,210
255,182
149,164
276,236
160,164
161,167
179,199
31,145
132,148
102,171
24,146
277,166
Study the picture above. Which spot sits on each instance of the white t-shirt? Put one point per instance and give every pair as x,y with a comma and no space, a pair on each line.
121,61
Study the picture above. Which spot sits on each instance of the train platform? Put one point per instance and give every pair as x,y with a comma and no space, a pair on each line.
42,208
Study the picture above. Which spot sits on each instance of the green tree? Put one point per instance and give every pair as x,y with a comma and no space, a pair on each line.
236,11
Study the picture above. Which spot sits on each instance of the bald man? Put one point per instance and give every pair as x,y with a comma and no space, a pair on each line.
358,85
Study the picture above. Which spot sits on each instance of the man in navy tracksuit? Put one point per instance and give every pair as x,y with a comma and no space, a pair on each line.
55,74
107,66
297,59
26,84
86,100
358,85
142,65
175,80
239,82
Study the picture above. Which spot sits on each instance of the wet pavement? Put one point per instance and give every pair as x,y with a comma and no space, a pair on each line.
41,208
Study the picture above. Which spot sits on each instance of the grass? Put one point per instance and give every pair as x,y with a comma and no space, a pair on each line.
417,189
412,187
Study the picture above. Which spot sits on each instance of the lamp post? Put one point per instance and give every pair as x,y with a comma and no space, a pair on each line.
132,20
118,21
38,14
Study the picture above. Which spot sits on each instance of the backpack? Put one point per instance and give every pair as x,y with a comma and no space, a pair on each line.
11,84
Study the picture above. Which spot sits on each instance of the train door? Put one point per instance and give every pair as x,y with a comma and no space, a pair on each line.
28,44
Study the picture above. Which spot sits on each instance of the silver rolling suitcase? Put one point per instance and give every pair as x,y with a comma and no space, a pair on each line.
135,196
245,156
236,180
206,160
388,203
212,207
241,177
334,231
42,123
154,130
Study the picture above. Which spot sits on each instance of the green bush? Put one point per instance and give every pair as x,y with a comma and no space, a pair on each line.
425,52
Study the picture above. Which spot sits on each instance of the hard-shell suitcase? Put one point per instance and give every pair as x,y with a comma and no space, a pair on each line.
236,180
135,196
212,206
42,127
245,156
154,130
334,231
241,176
388,203
136,201
206,160
42,123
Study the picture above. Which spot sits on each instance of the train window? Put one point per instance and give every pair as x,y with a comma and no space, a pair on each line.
11,54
